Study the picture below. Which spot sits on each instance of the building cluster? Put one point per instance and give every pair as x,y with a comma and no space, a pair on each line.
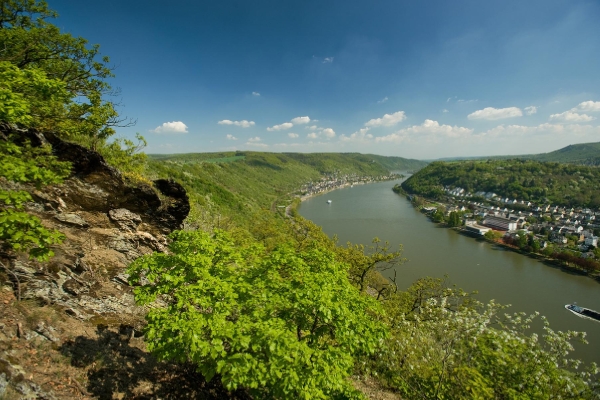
335,181
513,215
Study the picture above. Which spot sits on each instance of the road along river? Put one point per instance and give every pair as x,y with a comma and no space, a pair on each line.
360,213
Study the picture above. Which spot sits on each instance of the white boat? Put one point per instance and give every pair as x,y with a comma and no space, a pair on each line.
583,312
328,201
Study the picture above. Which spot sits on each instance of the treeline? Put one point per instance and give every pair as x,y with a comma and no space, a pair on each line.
538,182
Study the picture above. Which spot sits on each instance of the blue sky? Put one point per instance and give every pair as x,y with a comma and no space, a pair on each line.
415,79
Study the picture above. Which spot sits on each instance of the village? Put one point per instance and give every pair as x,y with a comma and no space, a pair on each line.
564,228
334,181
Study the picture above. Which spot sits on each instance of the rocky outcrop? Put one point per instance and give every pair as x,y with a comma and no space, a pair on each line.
96,186
107,223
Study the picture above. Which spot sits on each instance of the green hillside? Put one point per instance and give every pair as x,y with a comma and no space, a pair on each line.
237,184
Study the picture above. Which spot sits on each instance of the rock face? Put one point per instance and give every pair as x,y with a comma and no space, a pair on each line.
107,223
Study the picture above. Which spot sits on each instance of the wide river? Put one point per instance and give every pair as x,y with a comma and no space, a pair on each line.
360,213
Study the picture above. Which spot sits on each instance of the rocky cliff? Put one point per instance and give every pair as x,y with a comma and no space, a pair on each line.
69,327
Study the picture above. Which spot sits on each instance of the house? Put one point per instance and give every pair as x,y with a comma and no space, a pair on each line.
499,223
591,241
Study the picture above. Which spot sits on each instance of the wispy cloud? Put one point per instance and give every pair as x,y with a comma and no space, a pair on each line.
387,120
293,135
243,123
530,110
281,127
492,114
255,94
327,60
231,137
254,139
445,110
312,135
382,100
175,127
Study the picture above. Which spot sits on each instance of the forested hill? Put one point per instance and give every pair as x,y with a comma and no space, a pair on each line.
582,153
236,184
541,182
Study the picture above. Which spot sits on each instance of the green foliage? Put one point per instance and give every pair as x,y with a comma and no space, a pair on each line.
540,182
454,219
52,80
19,230
367,263
286,323
126,156
445,345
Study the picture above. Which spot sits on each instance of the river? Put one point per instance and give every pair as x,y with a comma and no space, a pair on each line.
360,213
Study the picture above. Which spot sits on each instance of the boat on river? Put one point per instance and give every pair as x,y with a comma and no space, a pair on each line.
583,312
328,201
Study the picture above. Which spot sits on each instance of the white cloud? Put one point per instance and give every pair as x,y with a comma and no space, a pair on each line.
312,135
570,116
359,136
445,111
427,128
327,60
312,127
293,135
588,106
329,133
231,137
382,100
243,123
282,127
256,94
387,119
171,127
300,120
530,110
254,139
492,114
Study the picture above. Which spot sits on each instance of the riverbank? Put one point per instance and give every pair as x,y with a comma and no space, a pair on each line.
545,259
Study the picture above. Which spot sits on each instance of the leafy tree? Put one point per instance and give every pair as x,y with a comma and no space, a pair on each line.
36,47
287,324
366,263
454,219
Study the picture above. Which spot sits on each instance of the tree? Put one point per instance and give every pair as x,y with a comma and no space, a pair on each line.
33,45
454,219
287,324
366,263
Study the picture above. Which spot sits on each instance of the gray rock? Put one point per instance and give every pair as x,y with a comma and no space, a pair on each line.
72,219
3,384
125,218
47,331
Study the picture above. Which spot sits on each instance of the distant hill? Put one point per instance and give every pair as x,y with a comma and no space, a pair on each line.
237,184
583,154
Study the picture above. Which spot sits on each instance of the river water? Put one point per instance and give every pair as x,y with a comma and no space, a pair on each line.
360,213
